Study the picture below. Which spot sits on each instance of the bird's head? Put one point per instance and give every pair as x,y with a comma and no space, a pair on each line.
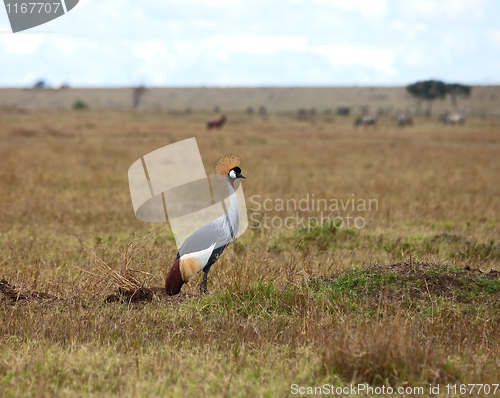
174,280
228,165
235,173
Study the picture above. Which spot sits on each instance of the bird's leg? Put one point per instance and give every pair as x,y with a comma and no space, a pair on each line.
203,284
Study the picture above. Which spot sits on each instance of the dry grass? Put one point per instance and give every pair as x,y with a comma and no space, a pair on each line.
482,102
285,306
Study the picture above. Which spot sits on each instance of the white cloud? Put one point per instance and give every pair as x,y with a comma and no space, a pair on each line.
155,61
22,43
260,45
218,47
149,50
369,8
204,3
68,46
398,25
221,41
170,57
378,58
450,9
110,9
494,37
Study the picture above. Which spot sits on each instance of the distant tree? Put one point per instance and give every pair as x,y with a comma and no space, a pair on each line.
457,90
79,105
137,93
428,90
40,84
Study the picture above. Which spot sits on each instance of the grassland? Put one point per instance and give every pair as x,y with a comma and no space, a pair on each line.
483,101
411,299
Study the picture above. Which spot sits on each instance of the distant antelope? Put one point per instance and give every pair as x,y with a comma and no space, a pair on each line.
403,119
453,118
365,120
343,111
216,123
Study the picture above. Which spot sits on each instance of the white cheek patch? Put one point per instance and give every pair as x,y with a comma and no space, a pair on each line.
232,174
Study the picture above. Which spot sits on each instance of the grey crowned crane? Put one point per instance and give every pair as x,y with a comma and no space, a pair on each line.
204,246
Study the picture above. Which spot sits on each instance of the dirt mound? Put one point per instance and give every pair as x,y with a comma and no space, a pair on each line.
143,294
13,293
131,296
419,266
414,280
439,280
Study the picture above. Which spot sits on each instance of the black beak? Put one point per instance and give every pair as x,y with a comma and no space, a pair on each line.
239,175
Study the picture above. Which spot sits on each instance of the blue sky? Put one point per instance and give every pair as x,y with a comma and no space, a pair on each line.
257,42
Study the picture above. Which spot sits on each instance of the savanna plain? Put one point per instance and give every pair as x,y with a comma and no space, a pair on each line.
410,299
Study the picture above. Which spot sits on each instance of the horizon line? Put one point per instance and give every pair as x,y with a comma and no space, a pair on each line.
90,87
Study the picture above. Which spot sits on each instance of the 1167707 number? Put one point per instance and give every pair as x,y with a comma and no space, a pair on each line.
32,8
471,389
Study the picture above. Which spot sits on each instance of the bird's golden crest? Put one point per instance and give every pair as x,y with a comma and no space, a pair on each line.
225,163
